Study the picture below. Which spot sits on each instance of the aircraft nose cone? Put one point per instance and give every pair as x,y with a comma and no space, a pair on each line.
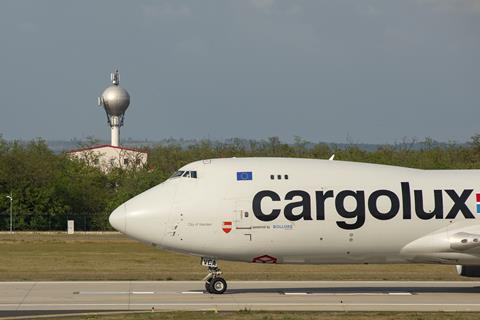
118,219
145,216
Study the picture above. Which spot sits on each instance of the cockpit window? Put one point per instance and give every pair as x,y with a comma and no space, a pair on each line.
184,174
177,174
190,174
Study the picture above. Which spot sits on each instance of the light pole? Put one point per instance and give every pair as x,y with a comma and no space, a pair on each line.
10,197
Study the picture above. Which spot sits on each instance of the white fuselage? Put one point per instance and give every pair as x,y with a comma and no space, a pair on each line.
284,210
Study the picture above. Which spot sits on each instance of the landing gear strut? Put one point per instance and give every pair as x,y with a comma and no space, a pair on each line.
214,283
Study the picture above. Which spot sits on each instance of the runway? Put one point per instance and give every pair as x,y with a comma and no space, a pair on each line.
18,297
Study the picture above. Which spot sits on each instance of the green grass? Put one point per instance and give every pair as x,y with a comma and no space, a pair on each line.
247,315
114,257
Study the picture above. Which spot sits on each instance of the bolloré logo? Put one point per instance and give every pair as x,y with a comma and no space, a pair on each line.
356,216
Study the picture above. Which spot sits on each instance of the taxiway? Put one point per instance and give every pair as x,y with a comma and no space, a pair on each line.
17,297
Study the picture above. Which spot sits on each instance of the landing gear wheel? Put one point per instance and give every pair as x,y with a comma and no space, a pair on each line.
217,285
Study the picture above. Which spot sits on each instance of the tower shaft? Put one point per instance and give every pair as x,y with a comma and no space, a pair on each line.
115,124
115,136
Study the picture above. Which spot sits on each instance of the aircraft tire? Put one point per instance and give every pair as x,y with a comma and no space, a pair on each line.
217,285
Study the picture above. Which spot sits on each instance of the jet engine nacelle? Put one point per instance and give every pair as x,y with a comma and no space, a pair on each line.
469,271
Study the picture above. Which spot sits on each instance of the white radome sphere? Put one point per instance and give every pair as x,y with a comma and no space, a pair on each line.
116,100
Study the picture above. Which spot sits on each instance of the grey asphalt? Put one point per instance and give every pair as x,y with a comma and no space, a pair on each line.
253,295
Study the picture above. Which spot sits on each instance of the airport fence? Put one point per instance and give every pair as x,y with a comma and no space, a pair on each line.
39,221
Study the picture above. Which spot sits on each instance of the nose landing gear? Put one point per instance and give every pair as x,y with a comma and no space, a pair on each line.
214,283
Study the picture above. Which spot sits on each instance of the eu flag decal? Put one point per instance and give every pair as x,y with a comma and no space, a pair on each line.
244,175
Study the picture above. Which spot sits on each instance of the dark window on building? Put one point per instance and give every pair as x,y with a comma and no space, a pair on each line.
125,161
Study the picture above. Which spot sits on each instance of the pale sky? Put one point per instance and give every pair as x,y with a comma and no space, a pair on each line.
367,71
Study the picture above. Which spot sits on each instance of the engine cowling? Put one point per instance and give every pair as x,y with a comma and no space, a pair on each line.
468,271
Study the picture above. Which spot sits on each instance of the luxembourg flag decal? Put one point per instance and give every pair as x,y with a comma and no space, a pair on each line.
478,202
227,226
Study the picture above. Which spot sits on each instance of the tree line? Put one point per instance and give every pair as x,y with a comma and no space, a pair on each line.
49,188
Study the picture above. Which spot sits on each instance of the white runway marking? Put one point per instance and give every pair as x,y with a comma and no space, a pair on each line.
101,292
113,292
295,293
143,292
193,292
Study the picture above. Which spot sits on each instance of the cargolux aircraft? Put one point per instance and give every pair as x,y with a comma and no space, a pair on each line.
306,211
